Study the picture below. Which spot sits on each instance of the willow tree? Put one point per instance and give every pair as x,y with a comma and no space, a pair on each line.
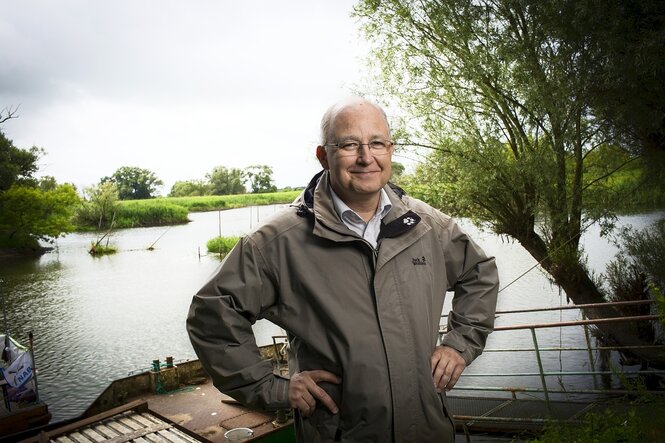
502,90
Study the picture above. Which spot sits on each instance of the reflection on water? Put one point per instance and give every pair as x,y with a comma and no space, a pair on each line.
96,319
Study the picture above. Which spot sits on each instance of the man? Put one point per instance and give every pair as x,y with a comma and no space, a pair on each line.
356,273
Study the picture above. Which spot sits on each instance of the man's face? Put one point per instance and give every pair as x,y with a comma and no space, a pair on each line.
358,177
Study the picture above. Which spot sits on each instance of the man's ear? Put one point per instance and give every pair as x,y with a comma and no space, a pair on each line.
322,155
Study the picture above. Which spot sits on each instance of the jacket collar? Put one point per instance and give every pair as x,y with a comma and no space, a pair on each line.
316,202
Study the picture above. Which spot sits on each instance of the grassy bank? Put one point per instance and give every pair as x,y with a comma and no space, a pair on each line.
217,202
174,210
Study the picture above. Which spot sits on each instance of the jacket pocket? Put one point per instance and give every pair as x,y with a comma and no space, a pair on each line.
322,426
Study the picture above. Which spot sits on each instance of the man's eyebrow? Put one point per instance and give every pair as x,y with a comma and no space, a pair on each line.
356,138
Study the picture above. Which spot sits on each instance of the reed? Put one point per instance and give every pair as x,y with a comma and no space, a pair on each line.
141,213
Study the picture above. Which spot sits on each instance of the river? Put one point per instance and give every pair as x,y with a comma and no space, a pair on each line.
96,319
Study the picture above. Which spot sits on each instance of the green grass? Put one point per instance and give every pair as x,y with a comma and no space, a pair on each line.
641,422
217,202
155,212
221,245
97,250
174,210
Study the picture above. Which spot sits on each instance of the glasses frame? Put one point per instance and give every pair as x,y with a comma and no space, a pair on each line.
344,153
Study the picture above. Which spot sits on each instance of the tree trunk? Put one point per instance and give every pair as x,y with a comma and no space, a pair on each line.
573,278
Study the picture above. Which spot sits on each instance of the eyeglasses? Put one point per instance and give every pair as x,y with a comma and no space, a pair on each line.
351,147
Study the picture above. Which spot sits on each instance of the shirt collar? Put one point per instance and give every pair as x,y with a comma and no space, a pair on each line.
344,211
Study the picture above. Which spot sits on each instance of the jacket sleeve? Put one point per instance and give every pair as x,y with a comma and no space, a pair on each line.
220,328
475,281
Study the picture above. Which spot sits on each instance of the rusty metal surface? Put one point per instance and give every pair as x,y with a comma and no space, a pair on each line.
205,411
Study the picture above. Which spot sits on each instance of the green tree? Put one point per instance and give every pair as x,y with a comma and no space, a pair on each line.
30,214
16,165
503,92
629,39
226,181
30,209
260,178
191,188
99,207
134,183
397,170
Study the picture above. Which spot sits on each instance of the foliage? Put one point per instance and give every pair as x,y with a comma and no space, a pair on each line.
16,165
397,171
629,184
30,209
598,427
221,245
641,258
260,179
640,422
503,93
100,206
191,188
629,40
134,183
98,249
29,214
142,213
174,210
226,181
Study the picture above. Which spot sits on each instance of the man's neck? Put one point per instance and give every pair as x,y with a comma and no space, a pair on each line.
365,207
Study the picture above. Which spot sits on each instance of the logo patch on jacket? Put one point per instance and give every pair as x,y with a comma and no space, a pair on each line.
419,261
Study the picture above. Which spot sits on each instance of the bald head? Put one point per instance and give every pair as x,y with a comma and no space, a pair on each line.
328,119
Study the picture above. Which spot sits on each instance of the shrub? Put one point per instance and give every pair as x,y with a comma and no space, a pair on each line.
221,245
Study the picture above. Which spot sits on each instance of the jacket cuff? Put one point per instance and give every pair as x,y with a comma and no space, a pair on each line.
456,341
280,390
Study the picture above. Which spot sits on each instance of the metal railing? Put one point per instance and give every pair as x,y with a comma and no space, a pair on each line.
538,350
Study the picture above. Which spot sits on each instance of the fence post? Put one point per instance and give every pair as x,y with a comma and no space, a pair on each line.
540,368
588,347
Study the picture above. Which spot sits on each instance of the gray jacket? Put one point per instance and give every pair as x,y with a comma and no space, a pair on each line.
369,316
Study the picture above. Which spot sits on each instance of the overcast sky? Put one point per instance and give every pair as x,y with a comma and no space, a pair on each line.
176,87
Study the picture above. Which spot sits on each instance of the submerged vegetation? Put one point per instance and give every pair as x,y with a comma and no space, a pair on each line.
97,249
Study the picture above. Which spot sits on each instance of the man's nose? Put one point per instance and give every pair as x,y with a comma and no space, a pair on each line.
365,155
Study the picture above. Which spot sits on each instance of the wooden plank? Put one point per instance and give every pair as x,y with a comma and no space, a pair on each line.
128,420
117,426
105,431
78,437
138,405
147,419
156,438
139,433
93,435
170,436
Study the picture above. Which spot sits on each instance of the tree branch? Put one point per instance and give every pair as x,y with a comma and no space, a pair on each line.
8,113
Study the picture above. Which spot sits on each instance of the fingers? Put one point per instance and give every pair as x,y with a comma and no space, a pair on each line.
304,391
447,367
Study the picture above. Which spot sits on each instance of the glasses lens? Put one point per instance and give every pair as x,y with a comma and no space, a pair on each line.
350,147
